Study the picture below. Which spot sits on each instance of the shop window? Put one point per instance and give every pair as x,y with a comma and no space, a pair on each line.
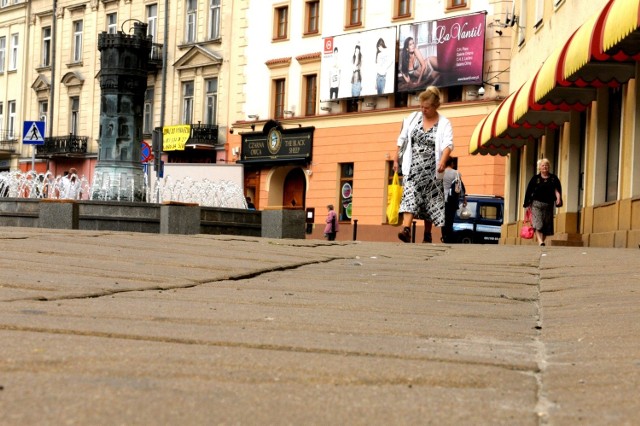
346,192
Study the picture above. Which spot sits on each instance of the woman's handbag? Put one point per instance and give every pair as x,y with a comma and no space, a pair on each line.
526,231
395,196
456,186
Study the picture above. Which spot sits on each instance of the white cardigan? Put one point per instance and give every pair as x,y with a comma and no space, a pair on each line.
444,139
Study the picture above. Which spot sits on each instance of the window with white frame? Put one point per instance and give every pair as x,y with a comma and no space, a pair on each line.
1,120
46,47
112,23
11,124
3,52
77,41
211,101
214,19
187,102
74,117
13,53
191,22
147,125
522,22
4,3
152,21
539,13
43,110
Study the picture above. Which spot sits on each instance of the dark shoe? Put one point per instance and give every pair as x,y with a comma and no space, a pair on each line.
405,235
541,244
427,238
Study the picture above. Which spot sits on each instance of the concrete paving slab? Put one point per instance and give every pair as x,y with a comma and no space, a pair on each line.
165,329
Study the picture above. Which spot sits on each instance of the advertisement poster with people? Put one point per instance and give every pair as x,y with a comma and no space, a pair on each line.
358,64
444,52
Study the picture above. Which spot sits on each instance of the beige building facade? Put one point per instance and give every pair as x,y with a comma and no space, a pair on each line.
353,136
228,68
55,77
574,101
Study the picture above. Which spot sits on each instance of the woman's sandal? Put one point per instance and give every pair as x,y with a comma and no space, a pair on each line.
405,235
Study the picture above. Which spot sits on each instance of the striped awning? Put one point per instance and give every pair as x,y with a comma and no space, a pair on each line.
620,34
601,52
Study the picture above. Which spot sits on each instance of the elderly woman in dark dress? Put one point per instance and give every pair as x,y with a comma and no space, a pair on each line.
428,139
544,192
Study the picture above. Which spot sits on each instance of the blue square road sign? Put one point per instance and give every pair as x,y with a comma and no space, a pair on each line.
33,133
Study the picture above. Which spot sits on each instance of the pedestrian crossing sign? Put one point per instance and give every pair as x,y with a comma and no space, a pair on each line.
33,133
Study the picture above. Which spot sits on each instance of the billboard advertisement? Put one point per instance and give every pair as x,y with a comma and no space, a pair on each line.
444,52
358,64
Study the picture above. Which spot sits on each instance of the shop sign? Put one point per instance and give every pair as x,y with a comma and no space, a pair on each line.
277,145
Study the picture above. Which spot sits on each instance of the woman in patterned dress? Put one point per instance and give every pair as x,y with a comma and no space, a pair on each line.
428,139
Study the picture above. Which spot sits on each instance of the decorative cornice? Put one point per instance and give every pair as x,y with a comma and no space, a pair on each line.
278,63
309,57
211,58
72,79
41,83
74,7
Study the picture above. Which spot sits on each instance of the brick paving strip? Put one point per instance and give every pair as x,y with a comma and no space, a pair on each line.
126,328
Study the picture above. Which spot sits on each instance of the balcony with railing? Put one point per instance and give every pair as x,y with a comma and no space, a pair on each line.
63,146
155,57
8,141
